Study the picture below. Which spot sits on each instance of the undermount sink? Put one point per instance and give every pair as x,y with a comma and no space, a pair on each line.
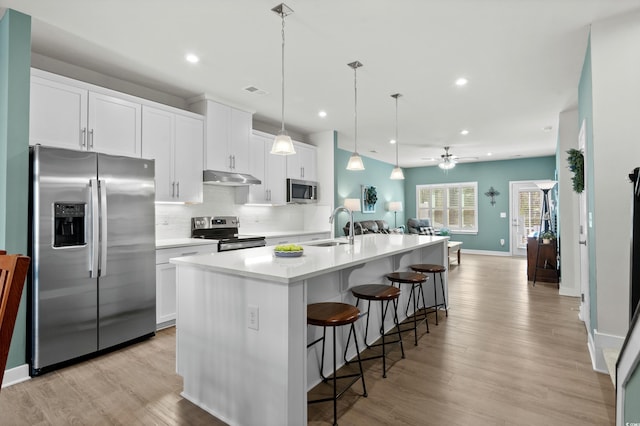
327,243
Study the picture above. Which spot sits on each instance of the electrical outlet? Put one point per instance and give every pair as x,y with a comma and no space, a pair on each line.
501,241
252,317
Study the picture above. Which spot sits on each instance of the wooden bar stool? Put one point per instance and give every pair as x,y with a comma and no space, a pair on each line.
427,268
333,314
415,280
381,293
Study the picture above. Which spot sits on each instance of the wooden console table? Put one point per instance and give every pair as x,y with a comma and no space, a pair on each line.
547,261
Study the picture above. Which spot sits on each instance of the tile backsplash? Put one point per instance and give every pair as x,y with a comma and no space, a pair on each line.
174,221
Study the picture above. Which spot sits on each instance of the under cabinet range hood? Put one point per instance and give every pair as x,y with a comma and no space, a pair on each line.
216,177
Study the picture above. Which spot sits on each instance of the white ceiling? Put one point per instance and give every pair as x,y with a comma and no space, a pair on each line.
522,59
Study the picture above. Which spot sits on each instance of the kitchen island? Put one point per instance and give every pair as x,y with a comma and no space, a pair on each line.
241,320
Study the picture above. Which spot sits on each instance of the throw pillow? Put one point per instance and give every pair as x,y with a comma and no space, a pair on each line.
427,230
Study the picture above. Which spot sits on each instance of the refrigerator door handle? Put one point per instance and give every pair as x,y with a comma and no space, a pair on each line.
103,227
95,229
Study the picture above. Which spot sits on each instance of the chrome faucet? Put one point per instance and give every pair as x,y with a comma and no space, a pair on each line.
351,230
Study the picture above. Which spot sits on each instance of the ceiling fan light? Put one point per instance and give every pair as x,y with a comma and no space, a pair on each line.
282,144
355,162
447,165
397,174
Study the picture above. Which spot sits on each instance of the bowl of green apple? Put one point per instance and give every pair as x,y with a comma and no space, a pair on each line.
288,250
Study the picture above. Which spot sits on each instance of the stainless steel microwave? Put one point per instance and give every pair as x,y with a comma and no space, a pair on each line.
301,191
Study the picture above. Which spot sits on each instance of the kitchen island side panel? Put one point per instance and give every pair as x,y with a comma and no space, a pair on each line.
241,375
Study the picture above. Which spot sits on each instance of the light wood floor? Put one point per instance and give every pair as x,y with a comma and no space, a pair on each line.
508,354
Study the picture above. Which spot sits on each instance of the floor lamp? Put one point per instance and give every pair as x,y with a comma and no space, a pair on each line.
545,219
545,215
395,207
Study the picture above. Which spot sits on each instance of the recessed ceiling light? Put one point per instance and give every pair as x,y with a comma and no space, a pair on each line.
547,128
489,154
192,58
392,141
464,132
322,114
461,81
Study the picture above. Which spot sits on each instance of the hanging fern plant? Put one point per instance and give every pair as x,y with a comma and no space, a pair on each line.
576,165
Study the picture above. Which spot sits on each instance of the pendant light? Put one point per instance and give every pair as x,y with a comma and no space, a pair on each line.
396,173
282,144
355,161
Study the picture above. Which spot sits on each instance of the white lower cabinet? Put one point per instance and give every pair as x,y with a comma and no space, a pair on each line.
294,239
166,281
276,241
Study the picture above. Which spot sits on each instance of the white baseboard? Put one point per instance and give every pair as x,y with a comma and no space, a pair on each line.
484,252
16,375
599,342
571,292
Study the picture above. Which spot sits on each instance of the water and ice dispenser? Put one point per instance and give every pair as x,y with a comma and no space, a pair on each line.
69,225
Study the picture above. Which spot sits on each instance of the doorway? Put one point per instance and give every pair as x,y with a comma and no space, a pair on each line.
526,210
585,314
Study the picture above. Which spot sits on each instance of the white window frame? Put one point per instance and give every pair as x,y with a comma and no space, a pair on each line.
446,186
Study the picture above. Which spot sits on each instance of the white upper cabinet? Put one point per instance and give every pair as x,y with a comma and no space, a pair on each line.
66,113
302,164
58,114
228,134
175,140
269,168
114,126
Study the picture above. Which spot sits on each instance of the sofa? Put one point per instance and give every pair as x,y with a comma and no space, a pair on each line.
419,226
368,226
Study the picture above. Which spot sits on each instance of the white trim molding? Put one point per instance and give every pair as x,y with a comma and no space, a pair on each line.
628,362
485,252
16,375
599,342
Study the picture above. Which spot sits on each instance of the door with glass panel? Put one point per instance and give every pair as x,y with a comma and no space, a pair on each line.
526,200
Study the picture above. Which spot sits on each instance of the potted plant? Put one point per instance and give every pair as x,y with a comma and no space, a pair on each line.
547,236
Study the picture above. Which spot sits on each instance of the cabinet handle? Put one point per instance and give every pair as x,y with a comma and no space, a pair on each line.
231,162
190,253
269,197
234,162
178,186
301,171
173,189
83,138
91,138
584,243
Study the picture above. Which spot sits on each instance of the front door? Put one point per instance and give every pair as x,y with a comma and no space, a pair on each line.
526,205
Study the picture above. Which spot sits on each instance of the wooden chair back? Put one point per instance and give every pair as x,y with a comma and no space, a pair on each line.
13,272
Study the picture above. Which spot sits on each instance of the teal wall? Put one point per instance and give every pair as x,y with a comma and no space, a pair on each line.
585,112
15,61
631,406
348,185
491,227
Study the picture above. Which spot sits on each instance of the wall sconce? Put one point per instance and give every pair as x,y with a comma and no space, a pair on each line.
395,207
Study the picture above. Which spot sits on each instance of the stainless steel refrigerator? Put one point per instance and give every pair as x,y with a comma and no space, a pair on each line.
92,246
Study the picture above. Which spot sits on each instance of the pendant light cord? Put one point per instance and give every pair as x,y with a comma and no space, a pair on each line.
396,131
282,81
355,109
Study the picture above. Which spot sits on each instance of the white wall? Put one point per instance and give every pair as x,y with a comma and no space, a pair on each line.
174,220
569,206
616,151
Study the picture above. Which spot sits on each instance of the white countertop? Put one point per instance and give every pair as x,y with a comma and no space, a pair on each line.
185,242
181,242
276,234
261,262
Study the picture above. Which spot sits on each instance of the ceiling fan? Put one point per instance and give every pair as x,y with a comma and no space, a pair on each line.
448,160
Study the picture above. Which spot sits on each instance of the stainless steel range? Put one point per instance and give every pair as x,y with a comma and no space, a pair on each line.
223,229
